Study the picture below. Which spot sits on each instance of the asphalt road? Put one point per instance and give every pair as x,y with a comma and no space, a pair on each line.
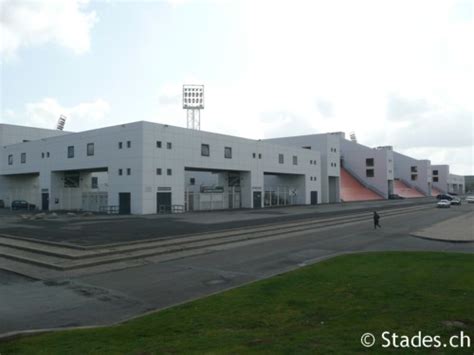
114,296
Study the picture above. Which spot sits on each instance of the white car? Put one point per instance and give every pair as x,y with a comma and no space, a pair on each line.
470,199
444,204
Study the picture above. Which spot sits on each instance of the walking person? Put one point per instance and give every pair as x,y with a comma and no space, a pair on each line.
376,220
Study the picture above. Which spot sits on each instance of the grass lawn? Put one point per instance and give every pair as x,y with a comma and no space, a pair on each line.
323,308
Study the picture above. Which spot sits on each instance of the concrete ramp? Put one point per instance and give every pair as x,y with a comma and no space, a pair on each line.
403,190
435,192
353,190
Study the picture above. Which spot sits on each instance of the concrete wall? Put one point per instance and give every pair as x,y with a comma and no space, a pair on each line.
403,166
328,145
355,158
440,174
143,157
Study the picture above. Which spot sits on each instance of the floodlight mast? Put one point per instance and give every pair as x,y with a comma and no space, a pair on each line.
193,102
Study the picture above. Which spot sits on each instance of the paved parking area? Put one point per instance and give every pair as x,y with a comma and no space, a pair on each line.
102,229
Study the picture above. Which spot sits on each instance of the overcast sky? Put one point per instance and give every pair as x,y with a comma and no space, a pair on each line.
397,73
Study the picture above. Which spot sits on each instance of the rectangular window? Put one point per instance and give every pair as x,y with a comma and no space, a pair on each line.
120,172
281,158
70,151
228,152
90,149
158,171
414,169
129,171
42,155
158,144
169,172
259,155
120,145
10,159
23,158
254,155
94,182
435,179
192,181
47,154
129,144
435,172
205,151
369,162
369,172
71,179
295,160
414,177
169,145
307,147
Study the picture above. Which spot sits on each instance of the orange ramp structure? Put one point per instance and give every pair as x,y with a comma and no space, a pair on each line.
435,192
353,190
405,191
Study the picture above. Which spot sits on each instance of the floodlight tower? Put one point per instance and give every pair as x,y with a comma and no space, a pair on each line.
61,123
193,102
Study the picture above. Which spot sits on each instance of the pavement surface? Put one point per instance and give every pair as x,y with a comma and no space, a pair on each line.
114,296
457,229
102,229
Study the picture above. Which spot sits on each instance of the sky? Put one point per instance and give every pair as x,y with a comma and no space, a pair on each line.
397,73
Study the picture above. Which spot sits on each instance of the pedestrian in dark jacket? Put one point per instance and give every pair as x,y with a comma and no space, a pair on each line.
376,220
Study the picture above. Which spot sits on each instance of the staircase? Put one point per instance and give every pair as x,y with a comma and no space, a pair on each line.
353,190
402,189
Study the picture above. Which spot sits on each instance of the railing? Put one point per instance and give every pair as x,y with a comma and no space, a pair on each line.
109,209
166,209
365,184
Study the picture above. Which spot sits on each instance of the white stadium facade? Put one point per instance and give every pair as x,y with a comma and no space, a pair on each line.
146,168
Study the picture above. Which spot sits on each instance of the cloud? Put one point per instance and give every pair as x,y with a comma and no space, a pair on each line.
399,108
45,113
28,23
325,107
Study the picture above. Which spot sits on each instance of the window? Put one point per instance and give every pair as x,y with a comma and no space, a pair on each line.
10,159
169,172
369,162
435,179
129,171
315,162
192,181
307,147
281,158
315,178
254,155
42,155
94,182
414,169
47,154
205,150
311,178
311,162
120,145
158,171
259,155
169,145
228,152
70,151
414,177
158,144
23,158
129,144
369,172
435,172
295,160
71,179
90,149
120,172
